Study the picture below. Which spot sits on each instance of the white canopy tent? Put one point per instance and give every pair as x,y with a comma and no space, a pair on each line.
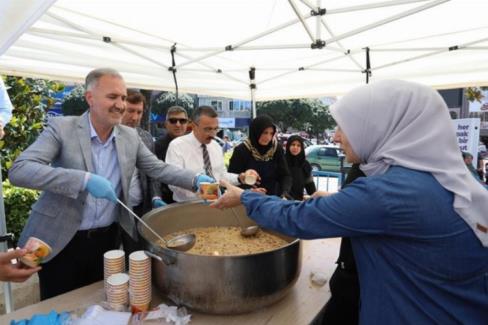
298,48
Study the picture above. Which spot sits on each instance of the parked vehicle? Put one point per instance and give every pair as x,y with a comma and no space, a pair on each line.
326,158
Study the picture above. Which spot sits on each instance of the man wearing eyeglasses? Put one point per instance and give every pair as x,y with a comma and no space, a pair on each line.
199,152
176,124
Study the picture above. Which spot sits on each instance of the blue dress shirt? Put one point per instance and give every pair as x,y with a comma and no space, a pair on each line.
418,261
100,212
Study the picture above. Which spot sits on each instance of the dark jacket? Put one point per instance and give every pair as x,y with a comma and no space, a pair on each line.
160,148
149,187
300,170
343,306
275,176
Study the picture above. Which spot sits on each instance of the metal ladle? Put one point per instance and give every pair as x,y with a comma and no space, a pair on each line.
247,231
179,243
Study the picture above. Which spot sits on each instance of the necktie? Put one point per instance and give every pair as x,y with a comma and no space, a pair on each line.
206,161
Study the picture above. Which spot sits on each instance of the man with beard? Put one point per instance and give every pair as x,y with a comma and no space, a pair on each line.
83,164
176,124
199,152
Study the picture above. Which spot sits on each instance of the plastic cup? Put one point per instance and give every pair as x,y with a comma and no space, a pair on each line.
37,251
209,191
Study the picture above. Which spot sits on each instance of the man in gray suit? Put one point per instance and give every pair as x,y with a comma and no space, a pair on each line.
82,164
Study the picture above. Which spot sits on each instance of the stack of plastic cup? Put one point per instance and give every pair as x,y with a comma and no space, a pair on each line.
113,263
117,291
140,281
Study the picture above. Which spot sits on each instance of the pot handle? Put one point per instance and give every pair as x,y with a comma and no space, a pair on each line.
168,260
150,254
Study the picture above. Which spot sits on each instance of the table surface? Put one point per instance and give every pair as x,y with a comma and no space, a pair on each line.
299,306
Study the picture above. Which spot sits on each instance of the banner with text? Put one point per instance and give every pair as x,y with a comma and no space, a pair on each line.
468,135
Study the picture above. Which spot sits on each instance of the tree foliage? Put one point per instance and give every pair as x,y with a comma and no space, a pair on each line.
302,114
75,103
475,93
18,202
31,99
165,100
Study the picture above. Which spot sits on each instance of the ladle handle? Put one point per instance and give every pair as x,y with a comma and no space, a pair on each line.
142,221
236,217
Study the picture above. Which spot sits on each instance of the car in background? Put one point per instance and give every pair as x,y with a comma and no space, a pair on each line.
326,158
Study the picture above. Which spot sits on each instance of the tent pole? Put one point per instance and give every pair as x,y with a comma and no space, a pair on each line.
317,23
373,6
385,21
448,49
342,48
252,86
173,70
302,19
250,39
7,287
302,68
367,71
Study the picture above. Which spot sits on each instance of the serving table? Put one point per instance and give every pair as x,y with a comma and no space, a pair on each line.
299,306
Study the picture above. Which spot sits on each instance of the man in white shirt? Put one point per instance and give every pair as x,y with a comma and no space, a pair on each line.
188,152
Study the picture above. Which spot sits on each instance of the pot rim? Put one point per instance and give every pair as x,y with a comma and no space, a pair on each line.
160,249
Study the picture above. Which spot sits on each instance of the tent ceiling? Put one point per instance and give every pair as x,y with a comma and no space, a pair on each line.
407,39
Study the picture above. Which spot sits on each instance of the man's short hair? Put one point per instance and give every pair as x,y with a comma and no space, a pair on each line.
176,110
93,76
204,111
134,96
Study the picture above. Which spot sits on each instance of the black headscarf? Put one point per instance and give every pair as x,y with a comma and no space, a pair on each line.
258,125
290,158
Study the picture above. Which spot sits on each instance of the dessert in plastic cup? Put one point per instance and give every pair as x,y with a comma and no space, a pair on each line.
209,191
37,251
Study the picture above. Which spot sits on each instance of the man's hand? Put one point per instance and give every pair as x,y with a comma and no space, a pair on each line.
14,272
158,203
231,197
201,178
101,188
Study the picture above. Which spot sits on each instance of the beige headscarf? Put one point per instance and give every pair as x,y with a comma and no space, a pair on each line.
398,123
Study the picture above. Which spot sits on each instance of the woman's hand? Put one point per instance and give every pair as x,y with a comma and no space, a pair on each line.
14,272
231,197
321,193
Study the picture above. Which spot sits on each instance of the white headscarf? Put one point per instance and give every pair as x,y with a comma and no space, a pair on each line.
398,123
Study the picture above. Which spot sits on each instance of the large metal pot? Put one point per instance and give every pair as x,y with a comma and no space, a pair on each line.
218,284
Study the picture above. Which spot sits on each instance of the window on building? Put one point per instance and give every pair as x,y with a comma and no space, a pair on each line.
217,104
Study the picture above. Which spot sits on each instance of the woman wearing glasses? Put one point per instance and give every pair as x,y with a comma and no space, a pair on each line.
262,153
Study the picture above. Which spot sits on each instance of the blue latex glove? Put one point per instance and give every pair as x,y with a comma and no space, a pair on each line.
202,178
52,318
101,188
158,203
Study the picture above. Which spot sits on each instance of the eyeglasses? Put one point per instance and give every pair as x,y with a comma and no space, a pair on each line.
176,120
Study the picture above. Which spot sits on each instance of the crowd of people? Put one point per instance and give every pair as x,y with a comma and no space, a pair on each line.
414,225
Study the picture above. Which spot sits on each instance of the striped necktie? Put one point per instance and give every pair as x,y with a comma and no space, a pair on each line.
206,161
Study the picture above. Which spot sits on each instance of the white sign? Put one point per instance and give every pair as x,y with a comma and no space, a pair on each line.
468,135
227,122
482,106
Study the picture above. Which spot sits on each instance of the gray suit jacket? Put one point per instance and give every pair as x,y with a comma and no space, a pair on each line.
57,162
